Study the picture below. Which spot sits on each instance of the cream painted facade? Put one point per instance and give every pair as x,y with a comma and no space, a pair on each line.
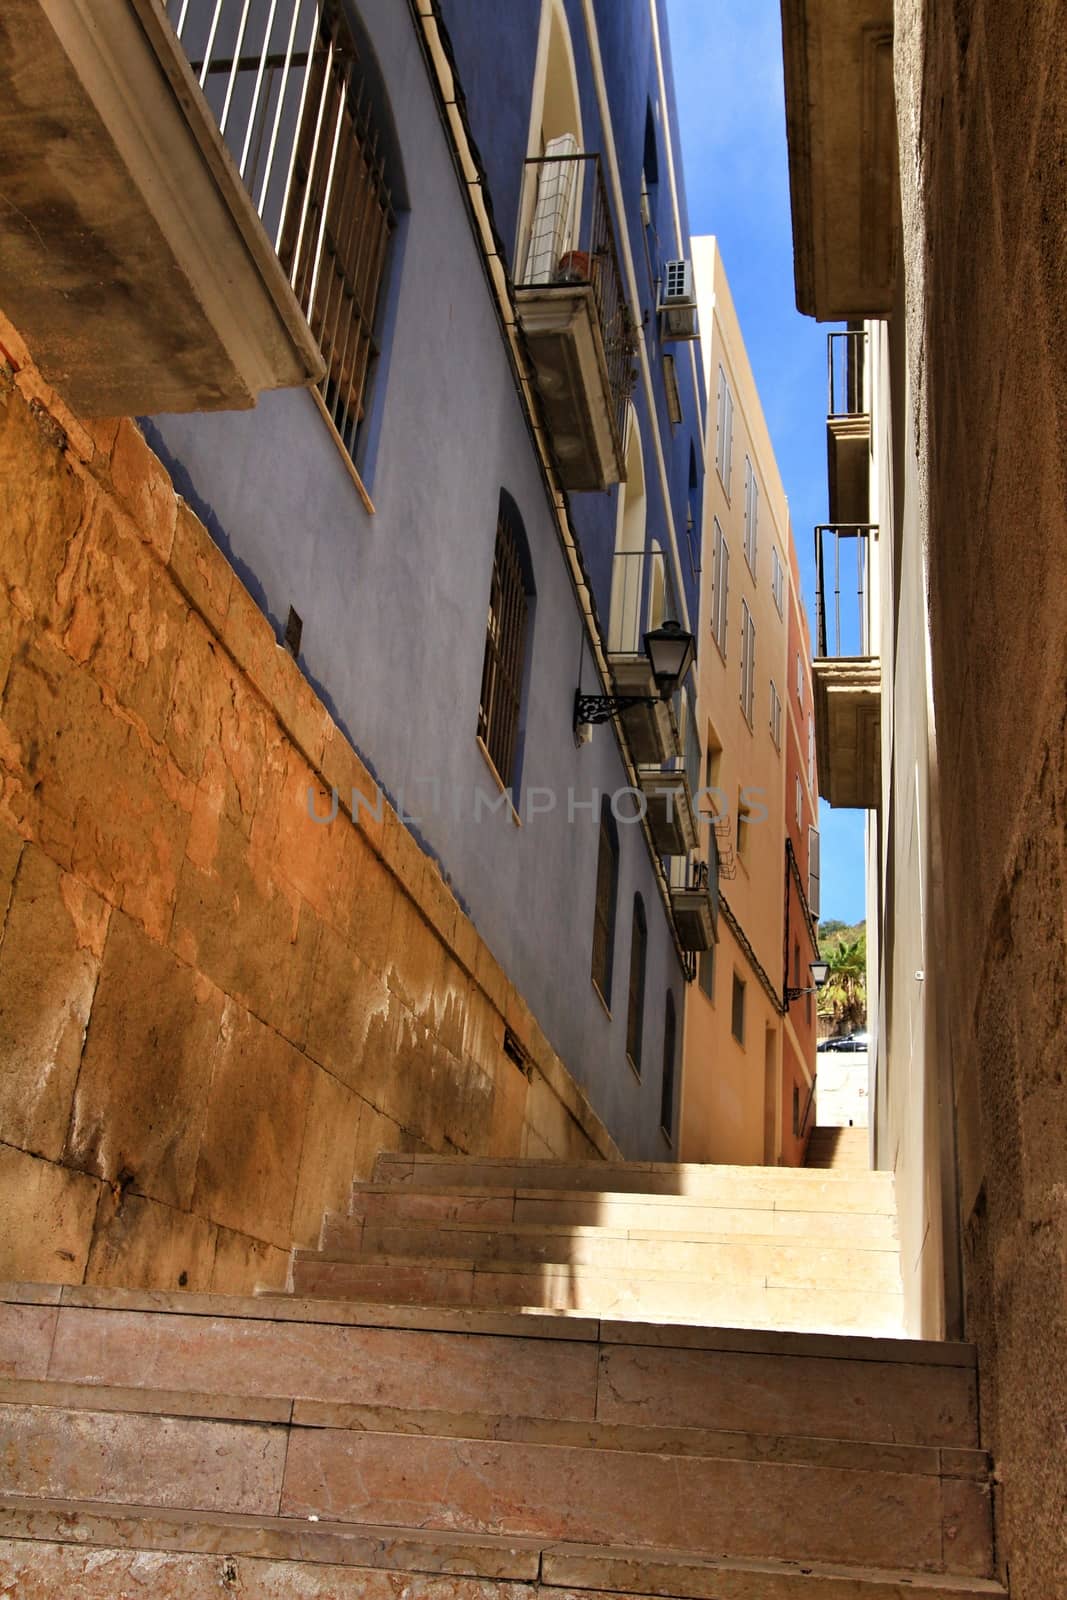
732,1098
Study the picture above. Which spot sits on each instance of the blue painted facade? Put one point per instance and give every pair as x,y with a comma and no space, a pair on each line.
394,604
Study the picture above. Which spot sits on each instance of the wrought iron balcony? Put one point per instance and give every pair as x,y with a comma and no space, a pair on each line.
695,900
570,299
642,596
135,262
846,672
848,426
669,789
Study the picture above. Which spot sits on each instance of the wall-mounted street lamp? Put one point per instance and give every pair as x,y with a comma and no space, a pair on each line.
670,651
820,971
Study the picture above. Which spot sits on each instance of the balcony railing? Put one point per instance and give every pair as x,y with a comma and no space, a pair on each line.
843,589
846,361
846,676
642,596
567,257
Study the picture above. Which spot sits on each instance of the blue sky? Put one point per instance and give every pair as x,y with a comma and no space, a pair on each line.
731,106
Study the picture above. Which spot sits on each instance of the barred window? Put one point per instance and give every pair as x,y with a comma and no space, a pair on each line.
338,220
635,1009
666,1102
505,651
607,880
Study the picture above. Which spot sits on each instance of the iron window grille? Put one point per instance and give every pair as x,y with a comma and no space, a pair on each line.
635,1009
666,1103
286,86
607,878
505,646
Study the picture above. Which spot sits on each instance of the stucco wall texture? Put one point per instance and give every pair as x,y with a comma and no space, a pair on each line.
982,109
214,1011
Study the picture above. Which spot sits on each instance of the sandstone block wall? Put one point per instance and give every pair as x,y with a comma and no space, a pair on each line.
982,95
213,1010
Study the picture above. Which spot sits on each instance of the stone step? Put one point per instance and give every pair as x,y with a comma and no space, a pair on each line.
725,1214
50,1548
755,1258
489,1364
764,1187
782,1302
845,1150
875,1506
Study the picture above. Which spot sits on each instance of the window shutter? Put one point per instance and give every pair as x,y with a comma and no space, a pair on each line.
729,453
813,871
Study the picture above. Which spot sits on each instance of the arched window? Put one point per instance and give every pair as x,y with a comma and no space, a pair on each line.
666,1098
607,882
635,1007
628,569
555,131
504,665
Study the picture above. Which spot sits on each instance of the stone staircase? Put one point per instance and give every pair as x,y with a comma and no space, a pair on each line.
453,1446
838,1149
731,1246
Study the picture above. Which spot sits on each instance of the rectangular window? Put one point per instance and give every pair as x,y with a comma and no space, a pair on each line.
776,717
751,515
748,663
811,754
706,972
800,801
724,436
796,1112
737,1010
813,872
720,595
800,679
777,578
505,650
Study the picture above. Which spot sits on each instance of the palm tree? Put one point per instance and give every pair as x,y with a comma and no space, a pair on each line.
843,998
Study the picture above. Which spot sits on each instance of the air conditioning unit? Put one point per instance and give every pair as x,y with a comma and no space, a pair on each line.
677,306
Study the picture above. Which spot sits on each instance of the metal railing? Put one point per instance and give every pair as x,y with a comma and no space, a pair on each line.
642,596
283,80
569,240
846,360
843,590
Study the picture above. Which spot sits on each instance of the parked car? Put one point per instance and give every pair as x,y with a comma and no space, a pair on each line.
856,1041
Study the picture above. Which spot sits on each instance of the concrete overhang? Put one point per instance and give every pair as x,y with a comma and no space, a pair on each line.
651,730
848,449
848,738
841,126
133,261
563,335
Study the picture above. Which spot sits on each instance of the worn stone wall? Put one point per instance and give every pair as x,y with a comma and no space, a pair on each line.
214,1011
982,110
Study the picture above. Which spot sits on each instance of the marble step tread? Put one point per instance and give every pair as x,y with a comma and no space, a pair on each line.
760,1212
733,1290
63,1545
727,1255
278,1306
494,1363
716,1505
629,1177
794,1449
